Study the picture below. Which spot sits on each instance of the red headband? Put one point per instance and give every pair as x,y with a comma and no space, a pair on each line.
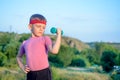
37,21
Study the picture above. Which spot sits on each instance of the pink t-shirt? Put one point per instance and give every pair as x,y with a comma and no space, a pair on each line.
35,49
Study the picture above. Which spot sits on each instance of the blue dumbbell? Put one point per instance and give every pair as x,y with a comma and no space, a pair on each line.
53,30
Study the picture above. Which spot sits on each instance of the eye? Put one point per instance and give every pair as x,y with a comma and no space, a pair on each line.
37,26
43,27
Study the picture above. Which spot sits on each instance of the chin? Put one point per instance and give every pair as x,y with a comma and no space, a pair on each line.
39,35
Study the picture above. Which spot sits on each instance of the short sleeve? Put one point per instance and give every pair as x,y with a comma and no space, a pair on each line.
21,49
48,41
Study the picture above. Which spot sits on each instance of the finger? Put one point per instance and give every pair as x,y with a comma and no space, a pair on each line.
58,31
27,69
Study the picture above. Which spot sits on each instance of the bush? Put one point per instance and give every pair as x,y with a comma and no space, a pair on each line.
3,59
78,63
108,60
115,76
64,57
55,75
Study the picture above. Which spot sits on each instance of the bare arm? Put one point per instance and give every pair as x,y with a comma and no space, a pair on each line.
20,62
55,48
21,65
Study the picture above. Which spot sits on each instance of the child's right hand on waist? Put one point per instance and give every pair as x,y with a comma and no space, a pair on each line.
26,69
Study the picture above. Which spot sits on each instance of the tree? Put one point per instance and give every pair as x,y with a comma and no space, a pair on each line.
118,59
78,62
91,55
64,57
24,37
99,47
3,59
108,60
4,40
11,49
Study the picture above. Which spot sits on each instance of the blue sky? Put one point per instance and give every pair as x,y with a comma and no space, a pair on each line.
86,20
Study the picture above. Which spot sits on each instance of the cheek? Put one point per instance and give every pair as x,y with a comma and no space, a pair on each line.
33,30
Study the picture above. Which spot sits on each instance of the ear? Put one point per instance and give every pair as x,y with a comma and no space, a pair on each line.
30,26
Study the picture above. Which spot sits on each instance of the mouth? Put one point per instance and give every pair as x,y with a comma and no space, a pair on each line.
40,33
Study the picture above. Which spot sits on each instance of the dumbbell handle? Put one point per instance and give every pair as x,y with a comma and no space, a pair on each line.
53,30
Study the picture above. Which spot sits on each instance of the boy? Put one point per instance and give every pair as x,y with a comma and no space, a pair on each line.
36,50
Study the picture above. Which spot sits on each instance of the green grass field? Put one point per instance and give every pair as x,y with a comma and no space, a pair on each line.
58,74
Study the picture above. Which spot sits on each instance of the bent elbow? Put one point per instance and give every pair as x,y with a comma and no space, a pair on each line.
54,51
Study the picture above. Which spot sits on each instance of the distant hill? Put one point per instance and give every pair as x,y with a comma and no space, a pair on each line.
72,42
116,45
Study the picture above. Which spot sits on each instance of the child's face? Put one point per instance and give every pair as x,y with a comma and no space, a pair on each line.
37,29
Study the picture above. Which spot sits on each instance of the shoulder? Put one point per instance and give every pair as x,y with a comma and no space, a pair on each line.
47,37
47,40
23,43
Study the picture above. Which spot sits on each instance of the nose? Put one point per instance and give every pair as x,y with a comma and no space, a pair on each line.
41,28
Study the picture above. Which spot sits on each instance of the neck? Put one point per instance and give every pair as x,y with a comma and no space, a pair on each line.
34,35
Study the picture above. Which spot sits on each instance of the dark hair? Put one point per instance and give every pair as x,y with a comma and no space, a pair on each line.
38,16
